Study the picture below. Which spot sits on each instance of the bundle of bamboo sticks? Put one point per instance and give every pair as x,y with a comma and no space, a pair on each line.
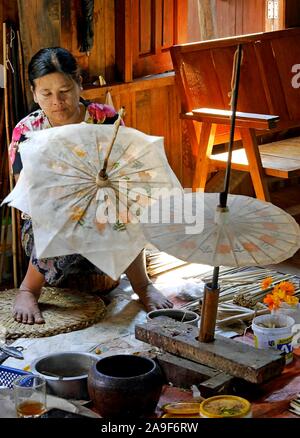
160,262
241,295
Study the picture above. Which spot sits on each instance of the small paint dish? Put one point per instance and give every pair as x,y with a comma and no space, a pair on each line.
225,406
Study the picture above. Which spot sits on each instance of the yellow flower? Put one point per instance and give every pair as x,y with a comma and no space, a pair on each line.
292,301
77,214
288,287
79,152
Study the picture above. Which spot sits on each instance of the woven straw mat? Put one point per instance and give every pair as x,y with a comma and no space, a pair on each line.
64,310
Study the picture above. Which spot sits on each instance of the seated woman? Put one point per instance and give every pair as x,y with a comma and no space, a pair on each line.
56,85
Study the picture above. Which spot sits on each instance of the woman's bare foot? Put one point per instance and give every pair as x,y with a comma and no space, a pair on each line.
26,309
152,298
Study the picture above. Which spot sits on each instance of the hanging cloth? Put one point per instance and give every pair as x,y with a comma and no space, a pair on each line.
87,36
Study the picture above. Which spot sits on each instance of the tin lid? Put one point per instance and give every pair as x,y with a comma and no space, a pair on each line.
225,406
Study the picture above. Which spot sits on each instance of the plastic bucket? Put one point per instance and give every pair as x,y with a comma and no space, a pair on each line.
279,338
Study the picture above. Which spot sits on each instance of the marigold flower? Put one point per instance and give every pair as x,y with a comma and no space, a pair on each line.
266,283
282,292
272,301
288,287
292,301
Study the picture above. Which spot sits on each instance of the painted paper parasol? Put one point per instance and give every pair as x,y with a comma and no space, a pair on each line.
248,232
85,187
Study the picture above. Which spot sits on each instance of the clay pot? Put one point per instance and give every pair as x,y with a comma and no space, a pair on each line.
125,386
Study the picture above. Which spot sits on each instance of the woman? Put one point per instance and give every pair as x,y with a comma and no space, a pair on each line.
56,85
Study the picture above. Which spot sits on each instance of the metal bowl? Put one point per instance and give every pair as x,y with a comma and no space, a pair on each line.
185,316
66,373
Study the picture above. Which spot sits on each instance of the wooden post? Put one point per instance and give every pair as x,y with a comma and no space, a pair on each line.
206,143
208,314
13,212
255,165
207,19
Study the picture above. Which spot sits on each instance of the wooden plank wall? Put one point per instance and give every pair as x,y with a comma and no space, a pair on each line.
236,17
101,60
152,106
39,27
8,11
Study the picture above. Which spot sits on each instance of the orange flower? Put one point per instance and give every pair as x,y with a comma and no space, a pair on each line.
273,301
282,292
287,287
266,283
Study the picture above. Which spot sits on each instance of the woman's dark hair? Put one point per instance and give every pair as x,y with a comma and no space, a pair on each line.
53,60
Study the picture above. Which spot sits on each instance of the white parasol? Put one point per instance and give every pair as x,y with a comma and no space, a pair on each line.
85,187
247,232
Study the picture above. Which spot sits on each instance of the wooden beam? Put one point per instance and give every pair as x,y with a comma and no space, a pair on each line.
255,165
206,143
263,121
154,81
185,373
243,120
123,38
235,358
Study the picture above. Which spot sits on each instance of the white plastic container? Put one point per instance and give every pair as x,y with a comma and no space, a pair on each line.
293,311
279,338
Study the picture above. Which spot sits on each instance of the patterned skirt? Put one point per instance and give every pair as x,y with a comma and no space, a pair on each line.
55,269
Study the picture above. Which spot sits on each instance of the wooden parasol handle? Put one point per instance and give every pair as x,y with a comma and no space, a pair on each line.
117,123
209,313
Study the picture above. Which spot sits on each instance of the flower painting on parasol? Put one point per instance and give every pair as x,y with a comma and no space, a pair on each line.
85,187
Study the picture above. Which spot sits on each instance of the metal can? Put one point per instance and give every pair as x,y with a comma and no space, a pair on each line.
225,406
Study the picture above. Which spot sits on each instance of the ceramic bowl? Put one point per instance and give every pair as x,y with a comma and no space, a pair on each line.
125,385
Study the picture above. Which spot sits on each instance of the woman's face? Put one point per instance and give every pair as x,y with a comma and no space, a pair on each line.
58,96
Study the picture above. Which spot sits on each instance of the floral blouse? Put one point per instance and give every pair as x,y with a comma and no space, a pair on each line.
95,113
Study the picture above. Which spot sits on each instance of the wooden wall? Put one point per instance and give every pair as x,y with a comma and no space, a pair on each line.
152,106
291,13
101,60
236,17
8,11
